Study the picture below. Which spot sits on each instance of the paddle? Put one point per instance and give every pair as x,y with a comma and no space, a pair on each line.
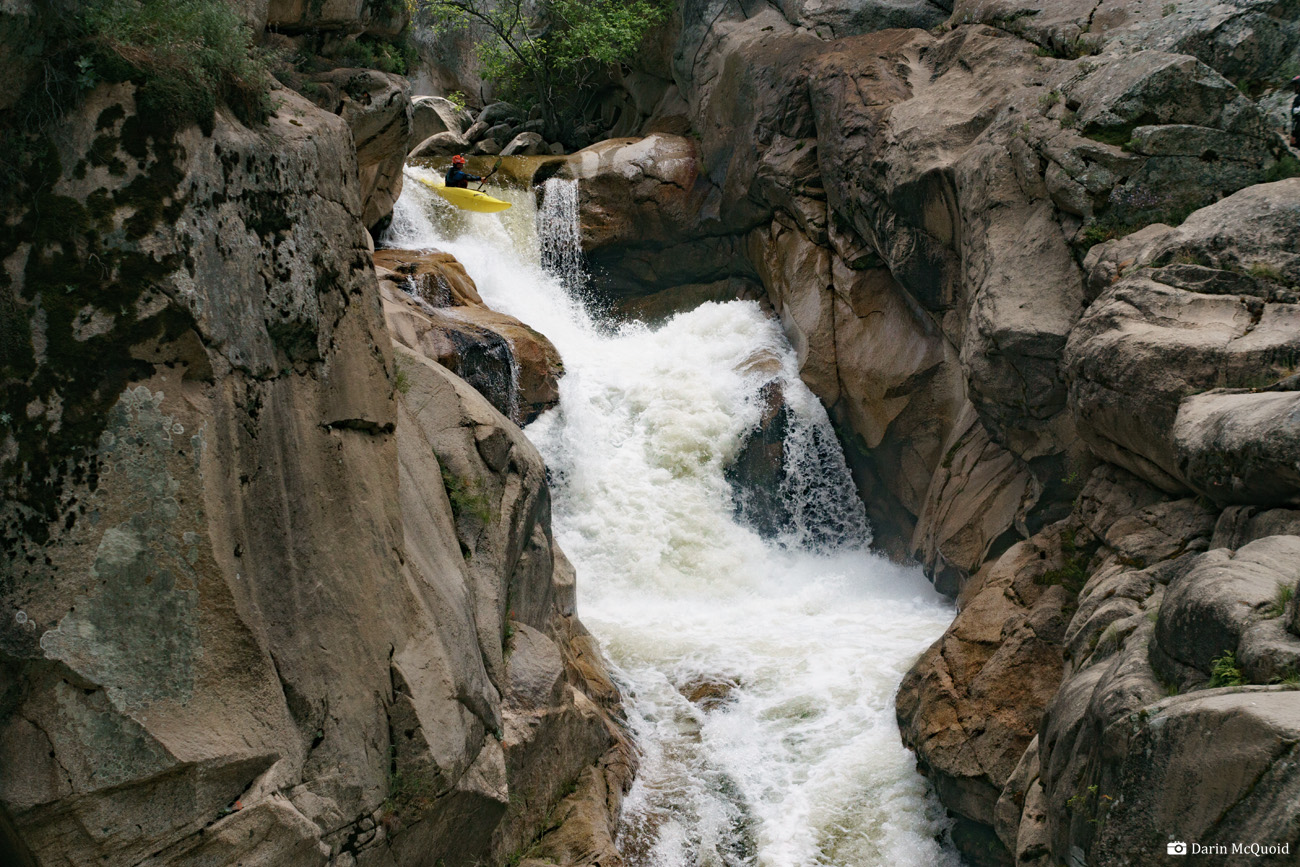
490,174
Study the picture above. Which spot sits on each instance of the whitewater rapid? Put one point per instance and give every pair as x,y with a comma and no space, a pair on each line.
793,648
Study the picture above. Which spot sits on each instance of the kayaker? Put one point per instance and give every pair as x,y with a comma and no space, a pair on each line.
1295,113
458,177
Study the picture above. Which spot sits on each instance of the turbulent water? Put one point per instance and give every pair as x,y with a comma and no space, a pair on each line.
759,674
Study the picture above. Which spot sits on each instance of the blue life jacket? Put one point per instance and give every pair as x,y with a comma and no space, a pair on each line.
458,177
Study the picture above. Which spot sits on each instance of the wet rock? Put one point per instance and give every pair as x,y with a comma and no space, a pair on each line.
709,692
433,306
758,470
436,279
797,276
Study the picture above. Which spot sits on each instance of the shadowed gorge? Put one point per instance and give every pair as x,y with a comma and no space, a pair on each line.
868,434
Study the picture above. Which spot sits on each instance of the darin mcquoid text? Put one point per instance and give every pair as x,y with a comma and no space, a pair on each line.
1254,849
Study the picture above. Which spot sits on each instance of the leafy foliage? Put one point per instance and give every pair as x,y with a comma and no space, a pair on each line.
548,50
1285,593
187,55
468,499
392,56
1073,573
1224,671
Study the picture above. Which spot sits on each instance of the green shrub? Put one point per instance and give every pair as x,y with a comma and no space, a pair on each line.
1224,671
1285,593
468,499
187,56
1286,167
395,57
1264,271
550,53
1073,573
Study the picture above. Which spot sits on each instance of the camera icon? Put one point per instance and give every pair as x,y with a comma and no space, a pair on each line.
1176,848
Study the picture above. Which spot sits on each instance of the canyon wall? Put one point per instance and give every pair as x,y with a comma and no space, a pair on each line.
277,589
1040,263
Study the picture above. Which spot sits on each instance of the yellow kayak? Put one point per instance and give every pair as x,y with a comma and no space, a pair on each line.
468,200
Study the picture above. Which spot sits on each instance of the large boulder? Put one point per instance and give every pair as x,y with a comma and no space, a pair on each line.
1216,769
441,144
500,112
1190,309
1241,447
432,307
526,144
637,191
647,217
1207,612
431,115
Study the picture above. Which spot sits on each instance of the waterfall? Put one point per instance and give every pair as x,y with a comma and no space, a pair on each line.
559,235
758,671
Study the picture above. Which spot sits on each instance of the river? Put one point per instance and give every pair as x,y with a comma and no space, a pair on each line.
791,647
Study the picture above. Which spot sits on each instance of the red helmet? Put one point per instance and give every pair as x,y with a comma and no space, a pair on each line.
458,160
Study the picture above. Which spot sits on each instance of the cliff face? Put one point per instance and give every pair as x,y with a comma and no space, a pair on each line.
1039,263
268,601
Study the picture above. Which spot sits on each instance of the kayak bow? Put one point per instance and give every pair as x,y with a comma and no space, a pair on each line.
468,200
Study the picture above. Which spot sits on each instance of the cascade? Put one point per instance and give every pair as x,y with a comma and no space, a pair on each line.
559,236
758,672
